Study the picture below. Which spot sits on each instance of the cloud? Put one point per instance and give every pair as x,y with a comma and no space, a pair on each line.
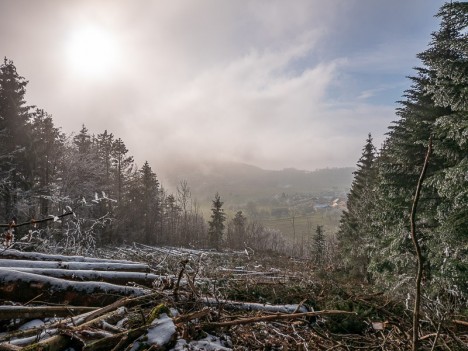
272,83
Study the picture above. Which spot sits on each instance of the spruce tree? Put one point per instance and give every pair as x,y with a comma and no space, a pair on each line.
318,249
237,231
122,165
447,83
216,225
15,168
355,225
47,149
150,203
434,107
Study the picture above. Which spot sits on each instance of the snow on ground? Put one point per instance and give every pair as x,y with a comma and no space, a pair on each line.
209,343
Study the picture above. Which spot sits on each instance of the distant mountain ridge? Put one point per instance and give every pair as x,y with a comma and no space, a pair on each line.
240,183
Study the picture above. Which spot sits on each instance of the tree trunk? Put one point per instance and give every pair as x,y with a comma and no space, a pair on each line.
23,287
119,278
95,266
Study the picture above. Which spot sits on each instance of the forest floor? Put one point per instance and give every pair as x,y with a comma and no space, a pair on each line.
202,300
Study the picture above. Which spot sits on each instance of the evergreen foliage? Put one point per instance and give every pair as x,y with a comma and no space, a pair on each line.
42,172
237,231
15,116
216,225
319,246
355,225
435,106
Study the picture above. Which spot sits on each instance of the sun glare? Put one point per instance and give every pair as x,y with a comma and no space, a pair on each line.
92,52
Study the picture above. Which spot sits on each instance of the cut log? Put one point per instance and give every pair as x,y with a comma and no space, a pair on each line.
95,266
119,278
22,287
36,256
250,306
26,312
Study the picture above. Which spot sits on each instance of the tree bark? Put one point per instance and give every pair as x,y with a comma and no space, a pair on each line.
22,287
97,266
118,278
37,256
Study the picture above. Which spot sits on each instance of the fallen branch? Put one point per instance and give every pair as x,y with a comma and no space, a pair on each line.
34,221
191,316
84,320
273,317
27,312
460,322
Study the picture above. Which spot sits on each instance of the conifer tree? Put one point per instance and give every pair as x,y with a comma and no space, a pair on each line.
435,107
447,83
122,164
47,149
237,231
355,224
216,225
105,142
15,170
150,203
318,248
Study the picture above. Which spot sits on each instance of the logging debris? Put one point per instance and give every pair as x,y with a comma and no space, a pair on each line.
190,300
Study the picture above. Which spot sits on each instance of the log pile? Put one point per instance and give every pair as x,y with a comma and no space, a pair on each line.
53,302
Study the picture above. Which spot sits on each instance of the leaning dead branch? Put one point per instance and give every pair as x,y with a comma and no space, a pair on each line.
35,221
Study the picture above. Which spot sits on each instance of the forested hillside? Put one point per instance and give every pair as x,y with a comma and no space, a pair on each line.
240,183
46,173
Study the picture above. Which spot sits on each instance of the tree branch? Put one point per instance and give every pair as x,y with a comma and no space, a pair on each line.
417,247
33,221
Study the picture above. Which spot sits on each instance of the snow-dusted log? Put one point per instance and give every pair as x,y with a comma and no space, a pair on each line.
37,256
27,312
22,287
95,266
250,306
119,278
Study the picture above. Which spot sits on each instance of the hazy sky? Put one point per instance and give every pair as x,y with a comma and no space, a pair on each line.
292,83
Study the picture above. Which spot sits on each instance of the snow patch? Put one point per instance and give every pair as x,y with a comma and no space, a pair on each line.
209,343
160,333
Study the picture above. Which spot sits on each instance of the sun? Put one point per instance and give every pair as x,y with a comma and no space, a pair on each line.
92,52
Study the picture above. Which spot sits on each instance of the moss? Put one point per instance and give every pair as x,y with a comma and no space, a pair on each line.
157,311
